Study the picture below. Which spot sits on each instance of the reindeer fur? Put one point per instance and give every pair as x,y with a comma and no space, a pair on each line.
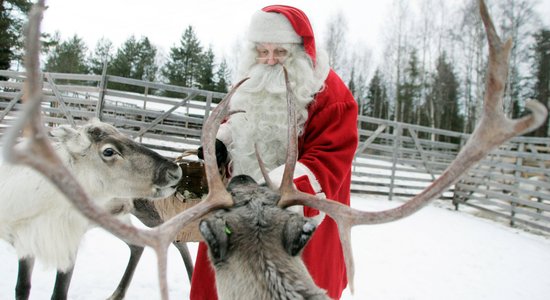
40,222
255,246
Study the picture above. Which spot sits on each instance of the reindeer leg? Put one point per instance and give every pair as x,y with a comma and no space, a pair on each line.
135,255
24,274
62,282
186,256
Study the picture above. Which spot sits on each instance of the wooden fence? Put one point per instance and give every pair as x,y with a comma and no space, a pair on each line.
394,159
511,183
164,117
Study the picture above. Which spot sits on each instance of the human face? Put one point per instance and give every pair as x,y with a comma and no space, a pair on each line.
271,54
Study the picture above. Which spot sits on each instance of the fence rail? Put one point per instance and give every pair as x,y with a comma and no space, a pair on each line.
165,117
394,159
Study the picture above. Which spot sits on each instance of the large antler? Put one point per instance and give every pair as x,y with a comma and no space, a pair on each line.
38,153
493,130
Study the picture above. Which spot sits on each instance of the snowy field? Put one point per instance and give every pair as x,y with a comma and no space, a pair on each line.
437,253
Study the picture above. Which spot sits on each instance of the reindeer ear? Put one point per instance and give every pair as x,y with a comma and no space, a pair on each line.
73,139
63,133
215,233
296,233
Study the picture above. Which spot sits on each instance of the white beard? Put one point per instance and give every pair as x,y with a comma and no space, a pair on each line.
264,123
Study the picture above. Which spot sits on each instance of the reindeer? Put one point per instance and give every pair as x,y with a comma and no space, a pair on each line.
44,225
494,129
151,212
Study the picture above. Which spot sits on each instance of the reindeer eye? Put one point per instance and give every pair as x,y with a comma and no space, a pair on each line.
108,152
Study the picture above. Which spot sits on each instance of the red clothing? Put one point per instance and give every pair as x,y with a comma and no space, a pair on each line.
327,148
301,25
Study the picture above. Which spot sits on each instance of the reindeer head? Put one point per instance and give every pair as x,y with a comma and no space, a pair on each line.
255,245
253,224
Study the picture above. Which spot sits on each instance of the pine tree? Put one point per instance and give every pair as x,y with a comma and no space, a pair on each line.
205,78
146,67
377,99
103,53
541,72
409,91
12,16
68,57
222,76
183,66
135,59
444,94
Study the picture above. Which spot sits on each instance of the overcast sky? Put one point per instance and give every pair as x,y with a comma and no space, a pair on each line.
218,23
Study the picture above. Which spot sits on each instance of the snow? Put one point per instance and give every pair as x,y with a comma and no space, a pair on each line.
437,253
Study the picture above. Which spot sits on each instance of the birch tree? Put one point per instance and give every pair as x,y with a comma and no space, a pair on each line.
335,43
517,22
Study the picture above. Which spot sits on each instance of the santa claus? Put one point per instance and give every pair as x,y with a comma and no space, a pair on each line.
327,121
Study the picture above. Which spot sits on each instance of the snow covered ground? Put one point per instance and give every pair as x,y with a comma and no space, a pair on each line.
437,253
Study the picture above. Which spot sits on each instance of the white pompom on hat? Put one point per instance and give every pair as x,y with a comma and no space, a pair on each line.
271,27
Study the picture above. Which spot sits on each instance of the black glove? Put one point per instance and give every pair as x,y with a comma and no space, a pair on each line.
221,153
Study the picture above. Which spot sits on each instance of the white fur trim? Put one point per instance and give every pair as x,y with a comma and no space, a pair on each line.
269,27
276,176
302,170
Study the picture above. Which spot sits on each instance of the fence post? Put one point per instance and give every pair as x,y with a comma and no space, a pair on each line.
517,175
102,86
145,94
396,146
59,99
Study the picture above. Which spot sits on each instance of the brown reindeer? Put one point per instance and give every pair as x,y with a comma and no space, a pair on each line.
273,279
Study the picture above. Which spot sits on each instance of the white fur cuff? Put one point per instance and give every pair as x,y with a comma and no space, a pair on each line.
276,176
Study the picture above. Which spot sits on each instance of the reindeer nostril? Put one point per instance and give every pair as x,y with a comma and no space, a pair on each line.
174,174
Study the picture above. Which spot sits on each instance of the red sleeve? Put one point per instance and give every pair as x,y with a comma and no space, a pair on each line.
329,141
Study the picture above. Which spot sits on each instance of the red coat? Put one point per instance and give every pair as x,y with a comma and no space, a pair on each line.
327,148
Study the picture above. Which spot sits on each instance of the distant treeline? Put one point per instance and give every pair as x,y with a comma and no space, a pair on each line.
431,70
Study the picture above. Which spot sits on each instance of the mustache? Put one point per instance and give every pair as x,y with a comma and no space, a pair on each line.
266,78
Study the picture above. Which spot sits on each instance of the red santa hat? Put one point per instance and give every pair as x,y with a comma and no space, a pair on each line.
282,24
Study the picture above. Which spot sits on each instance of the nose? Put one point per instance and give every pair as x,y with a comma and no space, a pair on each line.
272,60
174,175
169,174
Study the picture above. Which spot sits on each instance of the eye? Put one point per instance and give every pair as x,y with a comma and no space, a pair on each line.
108,152
280,52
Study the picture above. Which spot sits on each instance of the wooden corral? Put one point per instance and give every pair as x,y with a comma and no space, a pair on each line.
164,117
394,159
513,183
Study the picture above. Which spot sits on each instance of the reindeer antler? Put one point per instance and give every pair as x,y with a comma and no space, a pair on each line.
493,130
39,154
